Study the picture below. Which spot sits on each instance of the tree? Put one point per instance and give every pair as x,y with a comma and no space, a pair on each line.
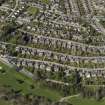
99,94
37,74
7,28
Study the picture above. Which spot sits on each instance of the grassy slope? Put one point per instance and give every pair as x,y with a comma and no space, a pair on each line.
85,101
9,78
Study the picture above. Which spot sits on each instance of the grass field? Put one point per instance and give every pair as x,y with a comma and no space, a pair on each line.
45,1
10,78
85,101
33,10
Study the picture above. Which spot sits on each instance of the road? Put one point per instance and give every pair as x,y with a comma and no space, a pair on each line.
68,97
99,26
75,58
53,63
17,2
26,72
23,71
5,8
77,44
5,61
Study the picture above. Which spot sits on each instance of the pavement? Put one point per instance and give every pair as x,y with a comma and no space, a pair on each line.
68,97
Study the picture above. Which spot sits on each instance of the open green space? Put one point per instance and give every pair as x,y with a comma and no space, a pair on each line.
33,10
45,1
85,101
12,79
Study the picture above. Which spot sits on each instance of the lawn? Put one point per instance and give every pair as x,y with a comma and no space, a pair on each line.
33,10
45,1
85,101
11,79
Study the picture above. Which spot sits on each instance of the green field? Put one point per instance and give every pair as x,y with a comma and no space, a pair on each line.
10,79
33,10
85,101
45,1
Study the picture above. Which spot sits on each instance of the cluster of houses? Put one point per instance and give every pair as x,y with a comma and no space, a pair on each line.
5,9
18,12
56,30
52,66
51,54
55,67
63,44
53,38
78,8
